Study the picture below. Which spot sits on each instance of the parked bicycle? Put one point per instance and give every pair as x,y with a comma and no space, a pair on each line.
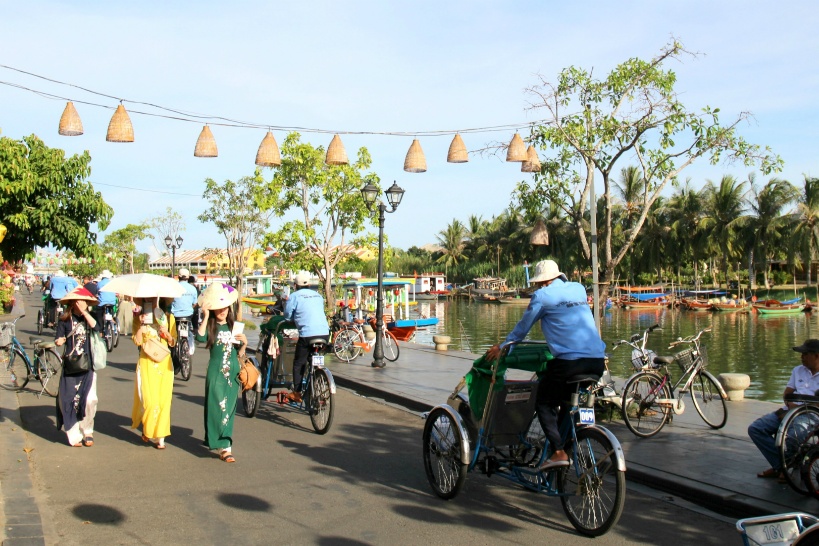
183,364
649,399
16,368
351,341
110,330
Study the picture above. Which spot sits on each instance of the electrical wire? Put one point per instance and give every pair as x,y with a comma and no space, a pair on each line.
145,189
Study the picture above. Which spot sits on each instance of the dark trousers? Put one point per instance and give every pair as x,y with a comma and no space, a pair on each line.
300,359
554,393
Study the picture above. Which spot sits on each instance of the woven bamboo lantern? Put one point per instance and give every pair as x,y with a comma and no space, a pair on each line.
415,162
539,234
516,150
206,145
457,151
532,164
336,154
120,128
268,154
70,122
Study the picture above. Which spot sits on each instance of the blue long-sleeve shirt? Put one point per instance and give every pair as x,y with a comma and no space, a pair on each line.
60,286
183,305
105,298
565,319
305,307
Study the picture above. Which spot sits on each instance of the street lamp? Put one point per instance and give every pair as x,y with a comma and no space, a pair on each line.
169,243
394,195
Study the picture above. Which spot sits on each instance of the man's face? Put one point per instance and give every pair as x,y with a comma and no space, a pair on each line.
811,361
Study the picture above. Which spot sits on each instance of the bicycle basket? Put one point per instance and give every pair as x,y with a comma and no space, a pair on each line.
6,333
684,359
639,362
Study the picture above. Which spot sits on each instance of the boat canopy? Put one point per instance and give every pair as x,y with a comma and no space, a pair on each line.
704,292
642,288
649,296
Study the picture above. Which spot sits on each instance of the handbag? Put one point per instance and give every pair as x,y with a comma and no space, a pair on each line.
248,374
155,350
99,351
74,364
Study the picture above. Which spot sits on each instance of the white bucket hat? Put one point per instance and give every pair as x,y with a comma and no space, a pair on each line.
546,270
106,274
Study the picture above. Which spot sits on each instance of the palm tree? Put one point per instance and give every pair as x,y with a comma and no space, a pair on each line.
805,226
452,241
764,225
685,211
724,206
630,190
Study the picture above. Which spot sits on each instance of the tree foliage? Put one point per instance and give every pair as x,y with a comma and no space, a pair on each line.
45,199
171,224
122,243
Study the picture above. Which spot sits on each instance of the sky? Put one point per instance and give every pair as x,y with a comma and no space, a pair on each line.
381,66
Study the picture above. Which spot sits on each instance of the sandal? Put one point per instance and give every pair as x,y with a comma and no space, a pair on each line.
227,457
78,444
770,473
146,439
159,446
281,397
88,441
294,397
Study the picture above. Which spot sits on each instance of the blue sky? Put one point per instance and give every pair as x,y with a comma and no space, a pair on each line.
382,66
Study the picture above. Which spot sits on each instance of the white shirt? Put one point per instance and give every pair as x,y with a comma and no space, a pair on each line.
803,381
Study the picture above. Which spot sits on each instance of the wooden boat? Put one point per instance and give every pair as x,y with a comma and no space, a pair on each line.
773,307
695,305
403,330
728,307
643,297
429,286
259,301
513,301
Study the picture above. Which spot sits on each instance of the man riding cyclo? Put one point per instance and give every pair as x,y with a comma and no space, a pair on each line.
59,286
569,329
107,300
183,306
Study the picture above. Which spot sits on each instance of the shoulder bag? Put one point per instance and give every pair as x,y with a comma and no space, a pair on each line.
99,351
248,374
155,350
73,363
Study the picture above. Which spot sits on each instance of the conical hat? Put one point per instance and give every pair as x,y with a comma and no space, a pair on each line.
218,296
79,293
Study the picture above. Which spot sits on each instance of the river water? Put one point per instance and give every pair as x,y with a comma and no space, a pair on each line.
747,343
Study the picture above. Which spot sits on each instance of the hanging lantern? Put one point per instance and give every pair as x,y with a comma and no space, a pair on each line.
206,145
268,154
539,234
336,154
396,291
70,122
517,150
120,128
532,163
457,151
415,161
370,292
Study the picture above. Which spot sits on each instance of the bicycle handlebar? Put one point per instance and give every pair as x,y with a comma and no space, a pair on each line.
637,337
689,339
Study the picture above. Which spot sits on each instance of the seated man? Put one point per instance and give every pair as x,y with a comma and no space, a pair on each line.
305,308
106,299
568,327
804,380
60,285
183,306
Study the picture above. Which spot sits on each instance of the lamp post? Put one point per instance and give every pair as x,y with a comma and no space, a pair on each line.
394,195
169,243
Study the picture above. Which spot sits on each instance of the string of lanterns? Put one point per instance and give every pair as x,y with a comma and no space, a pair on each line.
120,129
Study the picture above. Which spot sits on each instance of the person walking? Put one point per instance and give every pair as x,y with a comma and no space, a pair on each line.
77,395
568,326
305,308
221,383
153,388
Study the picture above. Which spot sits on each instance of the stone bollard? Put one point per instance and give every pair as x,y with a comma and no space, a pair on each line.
735,385
441,342
369,333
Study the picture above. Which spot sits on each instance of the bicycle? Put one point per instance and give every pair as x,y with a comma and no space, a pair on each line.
496,431
351,340
16,368
110,330
797,440
648,396
182,350
318,386
42,314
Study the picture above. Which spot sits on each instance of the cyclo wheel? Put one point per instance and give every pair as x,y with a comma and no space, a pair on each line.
51,368
443,453
799,433
593,490
708,401
13,369
184,359
641,412
109,336
390,346
321,406
344,346
810,472
40,320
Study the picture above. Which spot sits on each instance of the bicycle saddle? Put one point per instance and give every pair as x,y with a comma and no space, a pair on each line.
318,341
37,342
663,359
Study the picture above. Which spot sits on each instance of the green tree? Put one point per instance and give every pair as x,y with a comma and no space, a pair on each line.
47,200
685,211
724,205
451,240
329,202
591,124
122,243
237,211
805,226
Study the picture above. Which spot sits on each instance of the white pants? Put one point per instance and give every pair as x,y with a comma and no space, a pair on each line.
84,428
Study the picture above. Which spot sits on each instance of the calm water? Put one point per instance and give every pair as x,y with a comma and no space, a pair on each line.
746,343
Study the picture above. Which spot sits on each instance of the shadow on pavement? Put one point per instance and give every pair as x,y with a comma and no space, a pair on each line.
98,513
244,502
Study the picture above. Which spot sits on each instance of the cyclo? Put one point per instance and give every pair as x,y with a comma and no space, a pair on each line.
495,431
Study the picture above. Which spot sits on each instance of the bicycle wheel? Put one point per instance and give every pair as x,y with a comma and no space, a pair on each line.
116,334
643,415
251,399
708,401
443,453
344,345
810,472
390,346
799,433
109,336
185,364
593,490
50,368
321,405
40,320
13,369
